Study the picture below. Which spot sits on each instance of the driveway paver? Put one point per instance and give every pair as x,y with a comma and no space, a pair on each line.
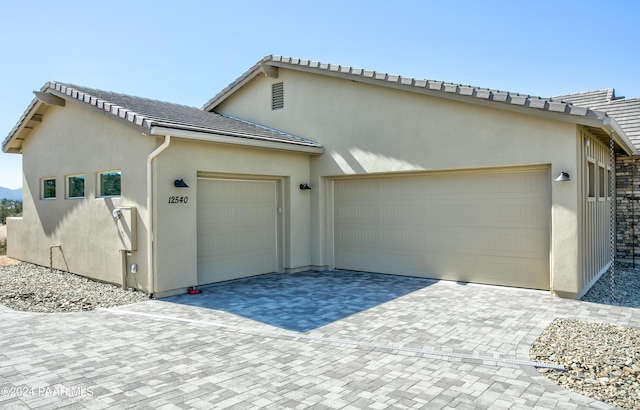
441,346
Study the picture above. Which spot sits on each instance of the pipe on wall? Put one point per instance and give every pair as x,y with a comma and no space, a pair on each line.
51,255
151,279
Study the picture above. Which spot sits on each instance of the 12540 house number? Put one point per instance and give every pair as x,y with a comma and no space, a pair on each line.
178,199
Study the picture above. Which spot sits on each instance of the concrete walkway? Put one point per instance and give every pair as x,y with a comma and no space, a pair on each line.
441,345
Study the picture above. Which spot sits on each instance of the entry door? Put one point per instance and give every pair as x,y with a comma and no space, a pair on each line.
237,235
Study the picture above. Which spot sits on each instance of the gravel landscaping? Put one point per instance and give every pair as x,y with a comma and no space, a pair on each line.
602,361
33,288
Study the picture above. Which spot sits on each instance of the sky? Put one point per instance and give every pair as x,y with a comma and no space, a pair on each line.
185,51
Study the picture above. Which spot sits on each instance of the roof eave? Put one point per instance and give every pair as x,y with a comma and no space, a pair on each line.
511,102
247,76
20,128
619,136
221,138
121,114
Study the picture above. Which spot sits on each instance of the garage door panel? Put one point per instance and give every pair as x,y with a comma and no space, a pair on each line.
480,227
236,229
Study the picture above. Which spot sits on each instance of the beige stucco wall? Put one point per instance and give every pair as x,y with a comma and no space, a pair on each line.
370,129
176,224
77,140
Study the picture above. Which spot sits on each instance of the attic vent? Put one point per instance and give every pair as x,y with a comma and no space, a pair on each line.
277,96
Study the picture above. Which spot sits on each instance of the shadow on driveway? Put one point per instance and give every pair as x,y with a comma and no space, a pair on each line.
303,301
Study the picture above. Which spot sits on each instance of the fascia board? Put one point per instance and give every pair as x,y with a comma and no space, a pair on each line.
231,140
214,102
469,99
33,107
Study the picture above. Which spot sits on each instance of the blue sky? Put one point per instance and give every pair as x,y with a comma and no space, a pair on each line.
186,51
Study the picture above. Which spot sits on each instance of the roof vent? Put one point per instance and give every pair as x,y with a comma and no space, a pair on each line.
277,96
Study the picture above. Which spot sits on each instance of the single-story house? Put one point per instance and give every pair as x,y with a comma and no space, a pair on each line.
300,165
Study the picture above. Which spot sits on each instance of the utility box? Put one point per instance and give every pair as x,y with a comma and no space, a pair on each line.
126,223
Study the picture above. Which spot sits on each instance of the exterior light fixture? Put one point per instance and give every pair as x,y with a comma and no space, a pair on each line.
564,176
304,187
179,183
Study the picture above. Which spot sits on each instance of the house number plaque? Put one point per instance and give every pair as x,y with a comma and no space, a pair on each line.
178,199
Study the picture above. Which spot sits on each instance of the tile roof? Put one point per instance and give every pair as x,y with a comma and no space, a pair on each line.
626,112
148,113
440,88
593,115
588,98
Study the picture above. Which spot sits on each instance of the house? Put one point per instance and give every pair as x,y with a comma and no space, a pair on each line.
300,165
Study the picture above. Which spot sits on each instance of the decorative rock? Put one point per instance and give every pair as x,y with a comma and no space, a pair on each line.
603,359
34,288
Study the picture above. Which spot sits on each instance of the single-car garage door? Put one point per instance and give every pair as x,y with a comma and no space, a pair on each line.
236,229
483,226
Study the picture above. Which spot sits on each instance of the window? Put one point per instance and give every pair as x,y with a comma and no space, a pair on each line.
591,179
109,183
602,182
48,188
75,186
277,96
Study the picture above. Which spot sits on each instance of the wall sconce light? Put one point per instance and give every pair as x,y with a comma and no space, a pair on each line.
564,176
304,186
179,183
587,142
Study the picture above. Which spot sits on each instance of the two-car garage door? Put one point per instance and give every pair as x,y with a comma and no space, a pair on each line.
483,226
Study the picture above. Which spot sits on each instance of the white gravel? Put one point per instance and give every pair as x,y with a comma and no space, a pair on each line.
602,361
34,288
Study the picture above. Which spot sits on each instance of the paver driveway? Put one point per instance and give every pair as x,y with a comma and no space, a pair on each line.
441,345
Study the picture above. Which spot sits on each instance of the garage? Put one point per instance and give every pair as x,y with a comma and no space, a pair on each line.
483,226
237,228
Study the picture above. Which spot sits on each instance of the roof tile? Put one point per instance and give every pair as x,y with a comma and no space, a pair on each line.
149,113
590,101
450,88
483,93
434,85
406,81
420,83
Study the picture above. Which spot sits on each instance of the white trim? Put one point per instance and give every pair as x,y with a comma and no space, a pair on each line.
42,181
67,186
99,183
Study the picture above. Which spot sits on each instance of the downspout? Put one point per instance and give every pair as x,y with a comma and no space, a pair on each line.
150,235
633,209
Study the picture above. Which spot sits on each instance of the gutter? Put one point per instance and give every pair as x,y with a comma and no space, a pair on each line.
232,138
619,136
150,234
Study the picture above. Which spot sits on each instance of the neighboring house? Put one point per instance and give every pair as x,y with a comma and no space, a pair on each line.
300,165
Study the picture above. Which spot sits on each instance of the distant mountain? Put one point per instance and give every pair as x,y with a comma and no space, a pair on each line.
13,194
